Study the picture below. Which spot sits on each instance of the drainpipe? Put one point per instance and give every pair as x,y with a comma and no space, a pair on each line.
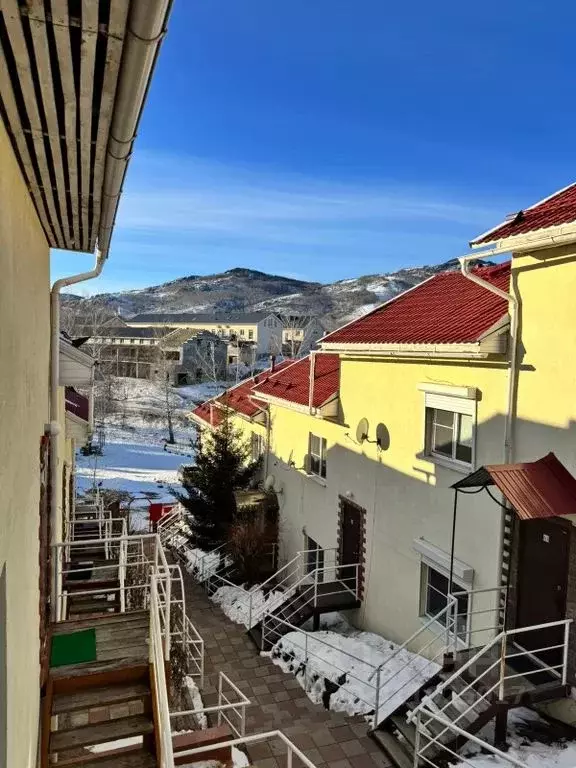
54,391
311,384
511,299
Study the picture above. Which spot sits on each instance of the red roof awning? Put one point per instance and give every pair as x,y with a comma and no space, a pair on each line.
535,489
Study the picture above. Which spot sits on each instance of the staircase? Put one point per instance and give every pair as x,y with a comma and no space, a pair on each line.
93,703
299,604
433,725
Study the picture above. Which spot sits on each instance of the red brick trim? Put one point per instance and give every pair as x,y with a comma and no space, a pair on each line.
342,500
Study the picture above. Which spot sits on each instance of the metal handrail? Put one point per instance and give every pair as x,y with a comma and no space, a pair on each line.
160,690
291,749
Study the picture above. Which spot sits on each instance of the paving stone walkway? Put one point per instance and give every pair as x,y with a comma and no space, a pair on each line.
278,702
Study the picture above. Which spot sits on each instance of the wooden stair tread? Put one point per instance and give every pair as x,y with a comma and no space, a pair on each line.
96,697
95,667
90,735
116,758
71,625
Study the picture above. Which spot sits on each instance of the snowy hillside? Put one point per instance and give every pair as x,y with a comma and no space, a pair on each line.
243,290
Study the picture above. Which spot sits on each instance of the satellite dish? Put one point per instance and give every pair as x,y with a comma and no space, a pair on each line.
382,437
362,431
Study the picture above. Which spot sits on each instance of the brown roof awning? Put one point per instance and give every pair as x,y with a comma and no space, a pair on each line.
535,489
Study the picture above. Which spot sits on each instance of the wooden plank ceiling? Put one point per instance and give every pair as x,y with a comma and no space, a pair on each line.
59,65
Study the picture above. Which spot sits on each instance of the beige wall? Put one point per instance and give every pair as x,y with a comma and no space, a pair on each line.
24,349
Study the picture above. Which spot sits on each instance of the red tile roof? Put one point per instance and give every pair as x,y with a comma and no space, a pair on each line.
293,383
536,489
237,398
560,208
209,413
446,309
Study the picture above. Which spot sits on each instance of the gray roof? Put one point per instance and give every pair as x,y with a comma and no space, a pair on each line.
218,318
131,333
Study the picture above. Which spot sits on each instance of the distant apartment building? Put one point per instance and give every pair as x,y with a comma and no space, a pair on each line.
264,329
300,333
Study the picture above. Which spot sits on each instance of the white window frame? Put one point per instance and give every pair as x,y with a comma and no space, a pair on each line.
461,406
256,445
321,457
435,558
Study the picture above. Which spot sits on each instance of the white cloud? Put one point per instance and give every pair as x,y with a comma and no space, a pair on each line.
191,199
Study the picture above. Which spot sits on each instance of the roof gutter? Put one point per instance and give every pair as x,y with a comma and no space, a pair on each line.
145,31
520,245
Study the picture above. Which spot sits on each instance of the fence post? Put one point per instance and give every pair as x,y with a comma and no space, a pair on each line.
250,612
220,699
503,650
377,698
417,741
565,652
305,659
289,757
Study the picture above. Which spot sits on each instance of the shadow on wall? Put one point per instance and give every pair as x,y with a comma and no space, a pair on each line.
402,508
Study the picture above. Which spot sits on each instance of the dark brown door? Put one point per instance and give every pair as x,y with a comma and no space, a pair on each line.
542,583
351,544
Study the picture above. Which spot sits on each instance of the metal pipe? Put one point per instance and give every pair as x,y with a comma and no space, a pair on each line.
58,285
311,383
512,371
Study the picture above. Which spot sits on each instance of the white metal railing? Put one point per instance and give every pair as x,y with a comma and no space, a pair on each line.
231,707
158,642
182,630
292,758
448,631
420,759
490,675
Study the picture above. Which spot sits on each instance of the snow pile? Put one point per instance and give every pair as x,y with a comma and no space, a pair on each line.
524,727
235,603
196,702
203,565
340,671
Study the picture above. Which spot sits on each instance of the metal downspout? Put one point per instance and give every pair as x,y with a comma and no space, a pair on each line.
510,298
58,285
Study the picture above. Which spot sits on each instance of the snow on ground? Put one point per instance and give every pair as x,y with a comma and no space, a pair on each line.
235,603
340,670
523,748
135,457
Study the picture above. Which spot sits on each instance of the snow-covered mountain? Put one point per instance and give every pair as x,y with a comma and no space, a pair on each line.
243,290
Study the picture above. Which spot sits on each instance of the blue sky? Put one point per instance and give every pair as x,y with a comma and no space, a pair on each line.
325,139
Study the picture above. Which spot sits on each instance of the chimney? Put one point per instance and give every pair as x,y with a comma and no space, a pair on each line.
272,363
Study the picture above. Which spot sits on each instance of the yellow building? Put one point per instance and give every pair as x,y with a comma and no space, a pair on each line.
373,438
63,157
262,329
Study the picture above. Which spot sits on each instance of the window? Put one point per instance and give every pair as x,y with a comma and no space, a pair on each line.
449,434
242,332
434,598
141,341
257,445
317,450
314,555
250,334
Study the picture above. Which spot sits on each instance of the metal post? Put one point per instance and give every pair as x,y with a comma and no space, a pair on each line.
250,612
565,652
289,758
417,740
219,699
377,698
503,645
305,659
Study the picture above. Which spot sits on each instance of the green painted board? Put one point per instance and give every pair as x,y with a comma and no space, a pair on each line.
74,648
